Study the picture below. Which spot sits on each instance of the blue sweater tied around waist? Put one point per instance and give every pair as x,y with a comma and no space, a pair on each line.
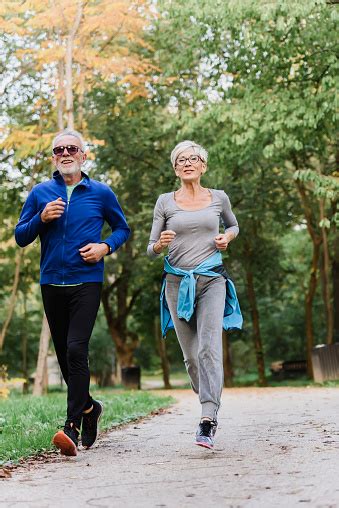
186,297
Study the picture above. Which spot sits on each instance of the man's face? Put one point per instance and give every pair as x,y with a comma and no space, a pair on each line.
66,163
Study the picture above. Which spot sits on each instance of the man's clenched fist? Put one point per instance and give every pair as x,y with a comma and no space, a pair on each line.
93,252
53,210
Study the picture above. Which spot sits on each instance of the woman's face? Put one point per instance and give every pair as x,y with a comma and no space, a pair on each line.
188,166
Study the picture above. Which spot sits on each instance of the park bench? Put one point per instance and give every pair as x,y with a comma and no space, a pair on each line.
288,369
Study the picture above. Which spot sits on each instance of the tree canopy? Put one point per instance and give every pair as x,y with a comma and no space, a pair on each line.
253,82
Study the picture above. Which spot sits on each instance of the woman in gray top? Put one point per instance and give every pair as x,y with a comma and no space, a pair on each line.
187,221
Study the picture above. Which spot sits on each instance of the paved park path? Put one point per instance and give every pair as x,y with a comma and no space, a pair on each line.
275,447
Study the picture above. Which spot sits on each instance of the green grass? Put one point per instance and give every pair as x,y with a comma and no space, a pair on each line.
28,423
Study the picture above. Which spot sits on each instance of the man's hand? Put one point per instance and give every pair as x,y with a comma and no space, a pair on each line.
53,210
93,252
166,237
222,241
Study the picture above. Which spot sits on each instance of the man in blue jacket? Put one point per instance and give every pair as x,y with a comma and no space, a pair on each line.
68,213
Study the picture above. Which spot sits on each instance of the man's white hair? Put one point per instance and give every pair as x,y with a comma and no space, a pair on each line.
181,147
69,132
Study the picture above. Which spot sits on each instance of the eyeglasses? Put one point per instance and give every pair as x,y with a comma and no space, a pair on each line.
71,150
192,158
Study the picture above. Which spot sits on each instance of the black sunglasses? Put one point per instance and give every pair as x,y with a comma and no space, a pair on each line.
71,149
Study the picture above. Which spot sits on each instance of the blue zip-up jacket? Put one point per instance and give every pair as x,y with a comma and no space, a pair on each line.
91,204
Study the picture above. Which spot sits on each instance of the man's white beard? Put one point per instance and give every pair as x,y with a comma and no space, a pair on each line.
69,169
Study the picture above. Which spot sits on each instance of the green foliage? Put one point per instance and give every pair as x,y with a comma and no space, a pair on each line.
133,161
243,359
255,84
252,81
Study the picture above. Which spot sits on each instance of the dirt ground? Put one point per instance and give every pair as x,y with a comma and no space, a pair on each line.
275,447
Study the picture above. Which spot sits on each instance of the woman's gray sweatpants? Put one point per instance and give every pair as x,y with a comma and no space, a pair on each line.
201,338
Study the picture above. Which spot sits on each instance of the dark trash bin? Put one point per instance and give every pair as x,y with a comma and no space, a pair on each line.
131,377
325,362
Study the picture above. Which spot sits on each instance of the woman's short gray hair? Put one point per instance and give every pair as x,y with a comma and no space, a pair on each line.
69,132
181,147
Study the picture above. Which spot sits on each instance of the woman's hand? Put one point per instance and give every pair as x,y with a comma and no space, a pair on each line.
222,241
165,239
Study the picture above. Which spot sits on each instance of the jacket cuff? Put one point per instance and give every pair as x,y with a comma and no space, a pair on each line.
37,221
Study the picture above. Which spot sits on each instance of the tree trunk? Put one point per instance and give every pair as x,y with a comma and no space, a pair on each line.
69,83
124,339
126,355
40,377
335,279
24,348
227,361
18,259
69,65
326,279
124,351
45,377
161,346
117,375
316,241
309,297
81,100
60,94
259,353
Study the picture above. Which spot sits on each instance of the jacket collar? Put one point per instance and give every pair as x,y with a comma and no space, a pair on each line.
59,179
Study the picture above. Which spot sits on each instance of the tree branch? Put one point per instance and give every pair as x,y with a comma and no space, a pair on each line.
18,259
132,302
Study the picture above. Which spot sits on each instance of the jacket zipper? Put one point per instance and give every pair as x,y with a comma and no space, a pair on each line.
63,241
64,235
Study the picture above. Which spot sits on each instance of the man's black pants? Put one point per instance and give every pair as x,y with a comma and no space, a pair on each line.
71,312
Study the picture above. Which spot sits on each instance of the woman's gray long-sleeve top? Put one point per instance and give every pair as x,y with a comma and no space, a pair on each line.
195,230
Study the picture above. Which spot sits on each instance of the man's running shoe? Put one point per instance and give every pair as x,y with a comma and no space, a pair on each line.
90,424
205,433
67,440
